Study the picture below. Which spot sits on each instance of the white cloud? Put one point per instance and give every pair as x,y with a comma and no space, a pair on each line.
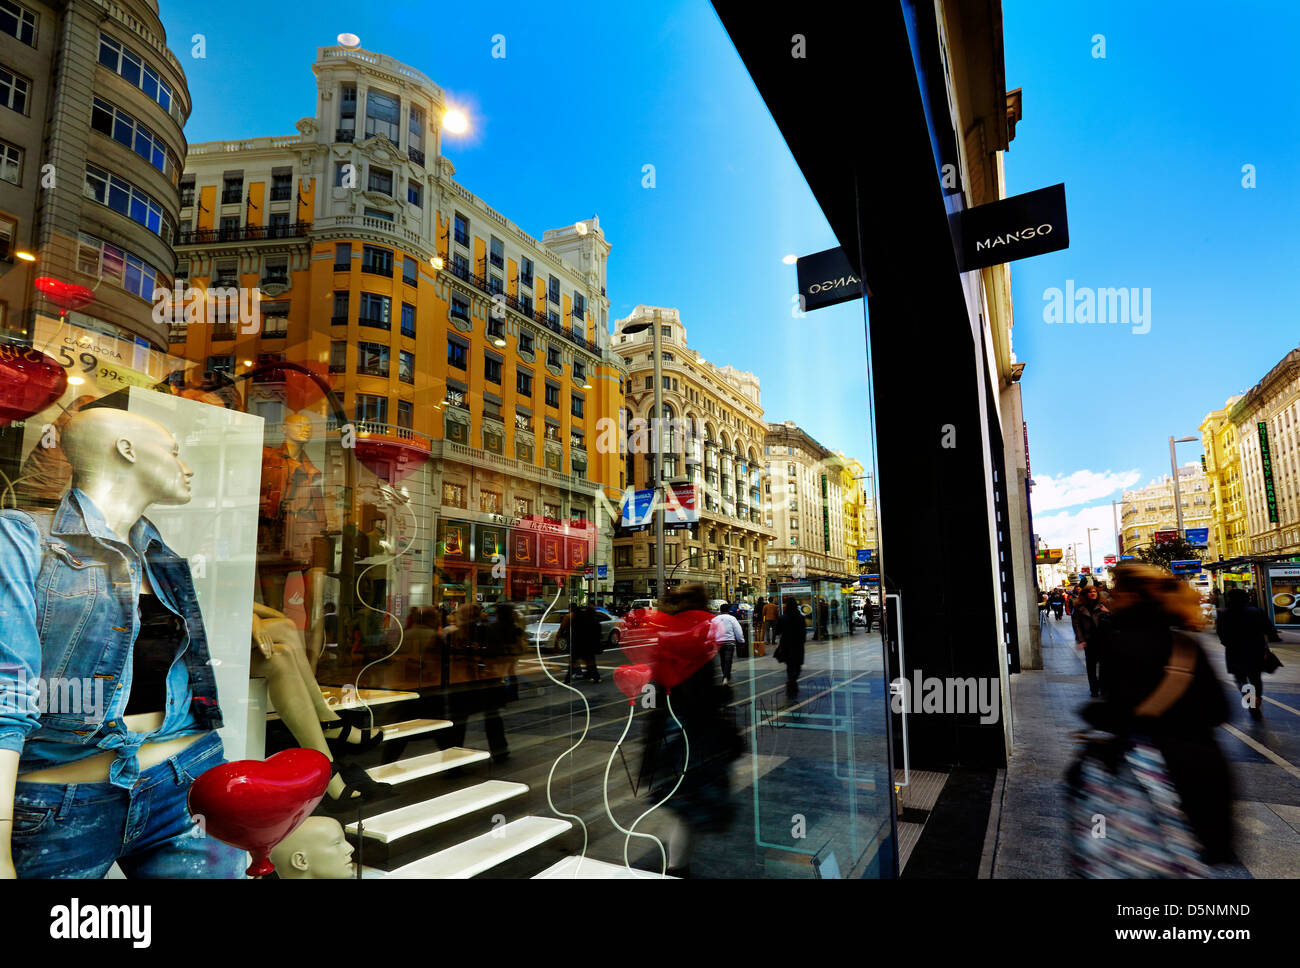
1052,493
1064,528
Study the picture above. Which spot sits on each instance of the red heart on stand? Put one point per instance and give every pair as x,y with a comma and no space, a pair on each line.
29,382
65,295
674,646
255,804
631,679
390,460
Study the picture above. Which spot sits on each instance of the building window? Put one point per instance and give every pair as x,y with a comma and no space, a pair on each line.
497,253
405,414
552,356
408,271
526,273
453,495
552,394
623,557
650,383
275,320
575,405
383,112
489,501
377,213
372,359
124,129
372,408
523,382
127,63
459,308
553,318
415,135
523,507
526,342
340,317
14,90
406,367
120,267
408,320
338,356
221,364
374,310
492,369
17,21
457,353
125,199
553,290
343,257
347,113
376,260
281,186
461,234
526,304
579,372
579,305
415,194
495,285
380,180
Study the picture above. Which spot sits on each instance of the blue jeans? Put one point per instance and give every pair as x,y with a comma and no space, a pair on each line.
81,829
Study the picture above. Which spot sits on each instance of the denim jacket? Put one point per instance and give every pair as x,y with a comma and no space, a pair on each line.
69,589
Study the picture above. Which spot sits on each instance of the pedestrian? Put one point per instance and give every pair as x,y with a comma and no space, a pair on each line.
823,619
1088,615
1245,632
1057,601
794,630
584,642
771,622
690,766
1161,692
729,636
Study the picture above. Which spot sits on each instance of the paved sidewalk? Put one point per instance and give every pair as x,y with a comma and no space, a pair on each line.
1027,834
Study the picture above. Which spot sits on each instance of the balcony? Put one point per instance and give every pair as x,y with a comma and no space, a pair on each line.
276,279
187,198
338,320
523,423
371,428
281,193
416,155
377,270
241,233
232,196
483,284
372,321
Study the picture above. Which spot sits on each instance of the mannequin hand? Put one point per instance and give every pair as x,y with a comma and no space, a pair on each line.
265,611
262,638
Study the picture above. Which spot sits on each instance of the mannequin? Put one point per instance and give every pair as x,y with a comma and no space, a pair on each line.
291,529
316,851
75,588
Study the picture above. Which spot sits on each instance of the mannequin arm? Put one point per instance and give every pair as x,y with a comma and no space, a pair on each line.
8,777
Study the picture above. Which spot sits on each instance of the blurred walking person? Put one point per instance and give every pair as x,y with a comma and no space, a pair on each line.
794,632
729,636
1245,633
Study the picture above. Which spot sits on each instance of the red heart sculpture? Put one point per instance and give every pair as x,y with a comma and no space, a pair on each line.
255,804
65,295
29,382
674,646
631,679
304,389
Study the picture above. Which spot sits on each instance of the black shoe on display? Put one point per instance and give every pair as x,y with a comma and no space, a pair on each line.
355,780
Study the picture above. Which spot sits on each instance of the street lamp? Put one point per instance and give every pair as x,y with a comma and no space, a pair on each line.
1173,468
656,502
1090,531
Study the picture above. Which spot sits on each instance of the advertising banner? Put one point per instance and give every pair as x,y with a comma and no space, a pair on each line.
1283,588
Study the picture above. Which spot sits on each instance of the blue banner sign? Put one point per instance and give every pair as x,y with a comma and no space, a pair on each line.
1198,537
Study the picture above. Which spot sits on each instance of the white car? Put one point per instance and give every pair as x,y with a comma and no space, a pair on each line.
609,631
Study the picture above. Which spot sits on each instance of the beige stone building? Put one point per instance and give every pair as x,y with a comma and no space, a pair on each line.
714,444
1223,470
1267,425
804,506
1149,509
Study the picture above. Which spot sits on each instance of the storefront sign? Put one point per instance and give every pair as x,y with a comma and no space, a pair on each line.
1267,455
1283,586
1049,556
826,517
1198,537
864,554
1191,566
453,539
1108,559
1162,537
1013,228
826,278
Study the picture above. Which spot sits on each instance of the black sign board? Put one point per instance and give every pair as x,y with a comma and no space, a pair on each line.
827,278
1013,228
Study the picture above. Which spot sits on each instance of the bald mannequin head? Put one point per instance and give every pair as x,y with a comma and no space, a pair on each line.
317,850
125,458
297,427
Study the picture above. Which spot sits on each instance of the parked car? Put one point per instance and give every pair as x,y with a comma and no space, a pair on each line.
609,631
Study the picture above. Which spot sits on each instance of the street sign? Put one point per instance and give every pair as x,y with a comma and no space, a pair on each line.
1198,537
1126,557
1013,228
602,571
1161,537
1109,559
864,554
1190,567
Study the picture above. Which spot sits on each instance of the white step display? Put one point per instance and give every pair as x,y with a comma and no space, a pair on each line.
415,767
412,727
587,868
485,851
404,821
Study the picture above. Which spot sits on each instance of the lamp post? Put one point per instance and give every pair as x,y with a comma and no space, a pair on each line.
655,426
1090,531
1173,469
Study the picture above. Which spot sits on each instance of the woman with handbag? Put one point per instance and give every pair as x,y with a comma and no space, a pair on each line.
1245,634
1160,783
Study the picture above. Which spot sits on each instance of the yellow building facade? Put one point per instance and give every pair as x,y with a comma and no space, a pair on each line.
1223,472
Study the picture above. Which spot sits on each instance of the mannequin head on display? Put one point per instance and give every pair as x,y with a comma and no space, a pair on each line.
124,462
297,428
317,850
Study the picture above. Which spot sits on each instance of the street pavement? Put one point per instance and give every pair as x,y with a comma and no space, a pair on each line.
1027,833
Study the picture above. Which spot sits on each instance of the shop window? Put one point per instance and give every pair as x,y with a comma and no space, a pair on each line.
453,495
489,501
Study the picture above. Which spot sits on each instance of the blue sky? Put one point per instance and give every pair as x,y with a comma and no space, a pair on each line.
562,127
1150,143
